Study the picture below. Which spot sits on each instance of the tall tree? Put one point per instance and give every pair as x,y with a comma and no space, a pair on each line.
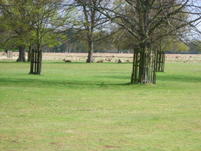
143,19
45,19
17,19
91,21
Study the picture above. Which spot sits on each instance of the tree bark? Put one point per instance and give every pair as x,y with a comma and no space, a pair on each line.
29,54
36,58
160,64
21,57
144,60
134,76
36,55
36,62
90,58
144,64
6,51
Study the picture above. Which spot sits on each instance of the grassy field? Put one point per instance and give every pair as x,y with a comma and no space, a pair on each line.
91,107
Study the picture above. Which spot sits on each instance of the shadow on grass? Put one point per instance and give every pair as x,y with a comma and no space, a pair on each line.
162,77
115,77
12,62
23,82
179,78
37,81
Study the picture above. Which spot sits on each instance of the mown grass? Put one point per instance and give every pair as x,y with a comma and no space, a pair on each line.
91,107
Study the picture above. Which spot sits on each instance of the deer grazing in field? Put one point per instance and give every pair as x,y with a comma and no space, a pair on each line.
108,59
100,61
120,61
67,61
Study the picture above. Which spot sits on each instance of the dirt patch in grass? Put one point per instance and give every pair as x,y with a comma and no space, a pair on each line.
111,146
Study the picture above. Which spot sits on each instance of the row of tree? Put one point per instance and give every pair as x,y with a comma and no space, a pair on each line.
147,27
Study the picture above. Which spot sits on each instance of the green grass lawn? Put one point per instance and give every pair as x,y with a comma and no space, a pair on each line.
91,107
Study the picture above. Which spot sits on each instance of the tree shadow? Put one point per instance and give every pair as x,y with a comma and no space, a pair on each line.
25,82
163,77
120,77
38,81
11,62
179,78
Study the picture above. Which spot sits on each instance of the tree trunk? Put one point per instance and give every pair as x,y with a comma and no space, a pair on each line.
160,64
144,59
36,55
6,51
21,57
90,58
144,64
135,69
36,61
118,49
29,54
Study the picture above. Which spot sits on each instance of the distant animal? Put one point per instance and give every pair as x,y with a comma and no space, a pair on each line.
120,61
99,61
128,61
108,59
67,61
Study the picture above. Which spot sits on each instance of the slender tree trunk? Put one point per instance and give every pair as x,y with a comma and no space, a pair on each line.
29,54
163,60
134,76
36,61
160,64
118,49
36,56
90,58
6,51
21,57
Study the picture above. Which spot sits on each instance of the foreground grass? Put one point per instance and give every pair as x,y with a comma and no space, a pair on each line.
90,107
